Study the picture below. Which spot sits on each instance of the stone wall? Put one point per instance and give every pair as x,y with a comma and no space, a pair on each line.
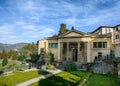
104,67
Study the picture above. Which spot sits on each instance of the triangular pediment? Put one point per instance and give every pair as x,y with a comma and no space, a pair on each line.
72,33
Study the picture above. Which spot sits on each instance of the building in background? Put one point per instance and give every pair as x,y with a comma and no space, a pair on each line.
117,40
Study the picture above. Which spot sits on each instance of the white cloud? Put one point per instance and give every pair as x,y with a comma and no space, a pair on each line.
6,29
35,19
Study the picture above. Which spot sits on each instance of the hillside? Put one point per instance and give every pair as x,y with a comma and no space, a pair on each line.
8,47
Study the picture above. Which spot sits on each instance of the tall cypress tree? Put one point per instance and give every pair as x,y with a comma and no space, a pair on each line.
62,29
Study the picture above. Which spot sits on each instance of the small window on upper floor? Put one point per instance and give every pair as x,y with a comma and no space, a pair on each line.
105,30
53,45
117,29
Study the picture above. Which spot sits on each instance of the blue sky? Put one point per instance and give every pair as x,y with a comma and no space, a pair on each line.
32,20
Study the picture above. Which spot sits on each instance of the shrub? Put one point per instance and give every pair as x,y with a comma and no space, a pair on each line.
51,67
49,58
70,66
20,58
4,62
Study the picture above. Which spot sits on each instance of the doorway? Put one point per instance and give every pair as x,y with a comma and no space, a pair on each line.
74,54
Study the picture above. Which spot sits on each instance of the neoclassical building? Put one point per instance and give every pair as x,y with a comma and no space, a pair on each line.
77,46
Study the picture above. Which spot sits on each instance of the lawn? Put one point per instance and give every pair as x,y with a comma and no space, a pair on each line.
63,79
101,80
17,77
76,77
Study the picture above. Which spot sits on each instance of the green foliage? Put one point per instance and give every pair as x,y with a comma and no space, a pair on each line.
62,29
63,79
55,35
49,58
30,47
101,80
34,57
18,77
117,59
3,54
12,54
51,67
70,66
20,58
24,53
4,62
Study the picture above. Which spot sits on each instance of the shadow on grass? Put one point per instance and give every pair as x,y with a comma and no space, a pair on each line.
64,78
43,72
57,81
1,72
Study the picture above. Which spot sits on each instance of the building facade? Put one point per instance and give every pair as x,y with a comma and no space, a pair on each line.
117,40
77,46
105,30
115,32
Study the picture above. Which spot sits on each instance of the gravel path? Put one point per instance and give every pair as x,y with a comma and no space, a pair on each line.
26,83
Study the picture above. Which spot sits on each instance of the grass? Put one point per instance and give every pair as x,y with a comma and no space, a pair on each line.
63,79
17,77
76,77
101,80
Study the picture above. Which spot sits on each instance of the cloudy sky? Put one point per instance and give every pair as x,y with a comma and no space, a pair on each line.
32,20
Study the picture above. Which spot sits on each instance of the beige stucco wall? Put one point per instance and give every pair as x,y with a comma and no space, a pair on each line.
117,50
45,44
53,50
105,51
40,45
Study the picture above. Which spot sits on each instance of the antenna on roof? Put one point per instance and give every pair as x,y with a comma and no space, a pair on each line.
72,28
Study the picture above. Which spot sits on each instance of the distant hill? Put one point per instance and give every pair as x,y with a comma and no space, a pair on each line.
8,47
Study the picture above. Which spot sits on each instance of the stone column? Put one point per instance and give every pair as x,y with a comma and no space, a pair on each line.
68,58
78,50
58,51
61,51
88,52
85,52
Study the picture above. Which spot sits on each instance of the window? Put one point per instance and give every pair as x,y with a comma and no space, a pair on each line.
116,29
53,45
105,30
99,56
99,44
94,44
104,44
116,36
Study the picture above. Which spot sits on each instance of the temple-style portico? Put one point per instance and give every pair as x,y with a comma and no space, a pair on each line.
73,51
